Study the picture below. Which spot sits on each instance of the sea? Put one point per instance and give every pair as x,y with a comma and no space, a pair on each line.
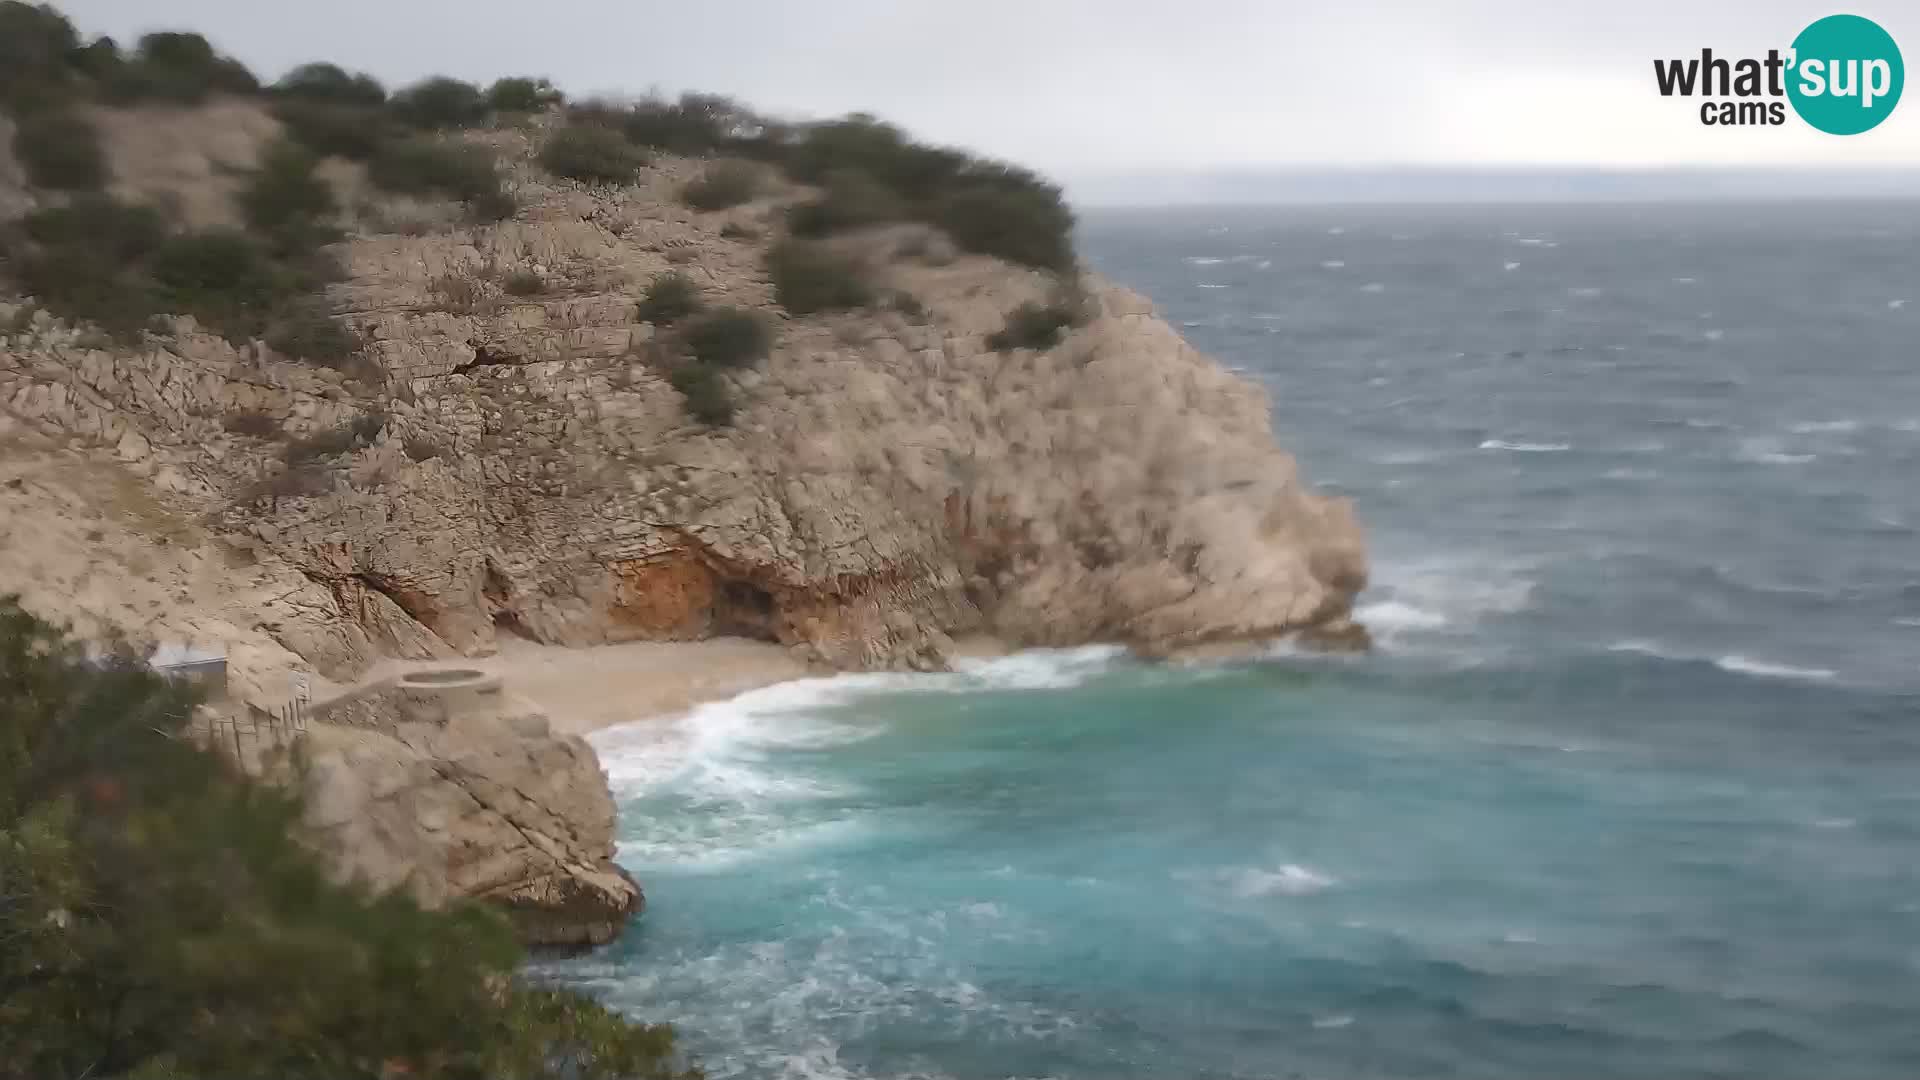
1630,786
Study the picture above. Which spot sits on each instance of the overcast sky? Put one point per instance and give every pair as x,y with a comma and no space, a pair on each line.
1087,90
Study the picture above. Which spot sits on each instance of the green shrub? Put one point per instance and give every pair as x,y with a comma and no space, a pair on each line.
520,94
176,68
118,232
329,84
455,170
161,918
1012,215
695,124
307,331
86,286
35,45
221,277
254,423
356,132
60,149
1035,326
852,200
524,283
728,338
83,261
709,398
420,449
906,304
808,277
723,184
440,103
591,154
986,206
671,297
286,202
733,230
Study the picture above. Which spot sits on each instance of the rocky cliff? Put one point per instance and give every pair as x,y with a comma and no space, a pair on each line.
516,462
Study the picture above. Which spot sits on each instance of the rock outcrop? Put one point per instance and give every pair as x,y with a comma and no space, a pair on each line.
477,799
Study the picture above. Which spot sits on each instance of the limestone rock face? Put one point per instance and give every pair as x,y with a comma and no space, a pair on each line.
487,804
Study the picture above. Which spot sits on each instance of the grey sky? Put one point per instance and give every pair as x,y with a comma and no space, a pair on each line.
1091,89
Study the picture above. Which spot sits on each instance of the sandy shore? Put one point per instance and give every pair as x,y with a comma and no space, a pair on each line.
584,690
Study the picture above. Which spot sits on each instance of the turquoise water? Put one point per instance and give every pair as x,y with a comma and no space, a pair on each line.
1631,789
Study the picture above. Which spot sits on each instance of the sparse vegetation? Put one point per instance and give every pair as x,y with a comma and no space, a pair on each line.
177,68
420,449
727,338
709,398
221,277
451,169
60,150
520,94
851,200
671,297
591,154
355,132
1039,326
723,184
809,277
440,104
695,124
524,283
253,423
733,230
457,293
307,331
329,84
286,202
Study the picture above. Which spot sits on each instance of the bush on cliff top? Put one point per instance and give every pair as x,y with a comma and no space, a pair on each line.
440,104
591,154
452,169
721,185
808,277
160,919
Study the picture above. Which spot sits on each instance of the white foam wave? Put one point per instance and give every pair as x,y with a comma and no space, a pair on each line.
1732,662
1762,669
1684,280
1392,616
1525,447
1333,264
1201,260
1213,286
1769,452
1263,264
1714,335
1834,823
1510,266
1373,287
1291,879
1336,230
1896,305
1811,427
1338,1020
1906,622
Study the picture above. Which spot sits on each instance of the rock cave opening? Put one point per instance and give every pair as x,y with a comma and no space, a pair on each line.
743,609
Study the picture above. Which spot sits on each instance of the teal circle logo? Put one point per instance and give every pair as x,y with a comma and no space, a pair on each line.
1846,75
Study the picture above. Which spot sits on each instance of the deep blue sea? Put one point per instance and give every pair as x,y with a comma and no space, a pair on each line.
1631,787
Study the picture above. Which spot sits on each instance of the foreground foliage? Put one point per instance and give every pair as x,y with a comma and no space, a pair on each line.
159,920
